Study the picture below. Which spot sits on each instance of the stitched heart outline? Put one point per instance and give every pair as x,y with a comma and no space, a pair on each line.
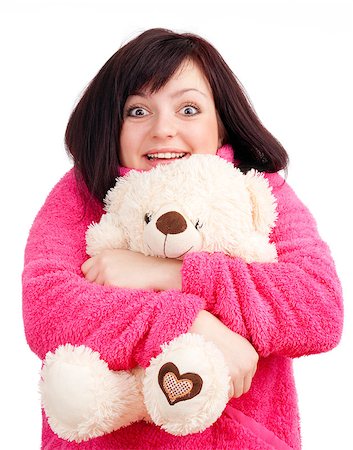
176,387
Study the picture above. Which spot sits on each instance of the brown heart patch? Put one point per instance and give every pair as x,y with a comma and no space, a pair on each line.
176,387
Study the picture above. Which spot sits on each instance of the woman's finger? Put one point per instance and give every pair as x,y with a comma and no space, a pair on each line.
247,383
92,274
239,388
87,265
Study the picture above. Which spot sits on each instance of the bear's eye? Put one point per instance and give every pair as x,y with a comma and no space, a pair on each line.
148,217
198,224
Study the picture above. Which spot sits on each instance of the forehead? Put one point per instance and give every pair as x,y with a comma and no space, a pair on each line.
189,73
188,77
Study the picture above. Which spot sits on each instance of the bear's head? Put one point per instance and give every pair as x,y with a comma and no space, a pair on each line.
202,203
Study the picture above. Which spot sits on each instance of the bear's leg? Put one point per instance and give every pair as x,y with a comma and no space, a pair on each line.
83,399
186,387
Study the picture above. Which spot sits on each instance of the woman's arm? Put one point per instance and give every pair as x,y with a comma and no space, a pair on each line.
292,307
126,326
125,268
240,356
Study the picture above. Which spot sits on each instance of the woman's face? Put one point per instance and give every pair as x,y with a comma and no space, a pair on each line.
177,121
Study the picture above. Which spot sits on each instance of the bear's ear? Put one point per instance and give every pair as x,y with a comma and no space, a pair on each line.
264,211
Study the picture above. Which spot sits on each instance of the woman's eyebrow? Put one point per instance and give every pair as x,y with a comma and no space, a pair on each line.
175,94
183,91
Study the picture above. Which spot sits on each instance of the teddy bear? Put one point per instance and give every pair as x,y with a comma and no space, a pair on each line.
199,203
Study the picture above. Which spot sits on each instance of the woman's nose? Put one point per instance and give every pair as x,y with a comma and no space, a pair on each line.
163,126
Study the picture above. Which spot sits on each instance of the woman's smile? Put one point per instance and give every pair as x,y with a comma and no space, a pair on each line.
165,156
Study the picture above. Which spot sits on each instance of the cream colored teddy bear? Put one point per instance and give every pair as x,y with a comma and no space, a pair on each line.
200,203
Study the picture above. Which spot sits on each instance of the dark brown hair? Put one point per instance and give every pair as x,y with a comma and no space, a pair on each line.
150,60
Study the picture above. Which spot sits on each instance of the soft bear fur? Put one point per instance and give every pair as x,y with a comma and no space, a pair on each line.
200,203
236,212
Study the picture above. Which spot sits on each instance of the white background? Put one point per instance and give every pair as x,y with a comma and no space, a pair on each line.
293,57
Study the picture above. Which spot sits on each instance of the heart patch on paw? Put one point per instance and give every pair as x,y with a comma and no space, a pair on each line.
176,387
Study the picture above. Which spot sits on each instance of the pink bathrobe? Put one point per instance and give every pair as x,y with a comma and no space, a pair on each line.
285,309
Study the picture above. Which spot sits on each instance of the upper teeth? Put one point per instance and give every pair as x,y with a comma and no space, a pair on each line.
165,155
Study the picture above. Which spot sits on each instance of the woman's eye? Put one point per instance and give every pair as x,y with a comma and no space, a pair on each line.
190,110
137,112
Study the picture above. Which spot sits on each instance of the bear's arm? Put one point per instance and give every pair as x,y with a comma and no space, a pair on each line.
292,307
126,326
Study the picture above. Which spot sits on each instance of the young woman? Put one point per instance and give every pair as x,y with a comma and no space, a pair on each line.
160,97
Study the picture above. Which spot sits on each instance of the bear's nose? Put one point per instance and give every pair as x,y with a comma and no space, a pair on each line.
171,222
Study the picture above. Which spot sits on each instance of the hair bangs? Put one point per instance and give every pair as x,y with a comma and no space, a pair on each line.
157,65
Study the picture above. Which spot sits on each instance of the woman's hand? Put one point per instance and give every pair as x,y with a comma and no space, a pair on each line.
240,356
128,269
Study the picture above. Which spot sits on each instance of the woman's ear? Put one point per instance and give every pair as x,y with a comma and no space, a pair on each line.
264,213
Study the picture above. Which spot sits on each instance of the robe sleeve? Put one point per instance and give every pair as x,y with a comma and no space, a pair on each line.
292,307
126,326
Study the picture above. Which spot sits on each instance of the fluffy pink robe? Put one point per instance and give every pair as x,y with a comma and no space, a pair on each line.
286,309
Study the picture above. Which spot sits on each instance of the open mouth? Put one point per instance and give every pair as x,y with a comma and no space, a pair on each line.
165,156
